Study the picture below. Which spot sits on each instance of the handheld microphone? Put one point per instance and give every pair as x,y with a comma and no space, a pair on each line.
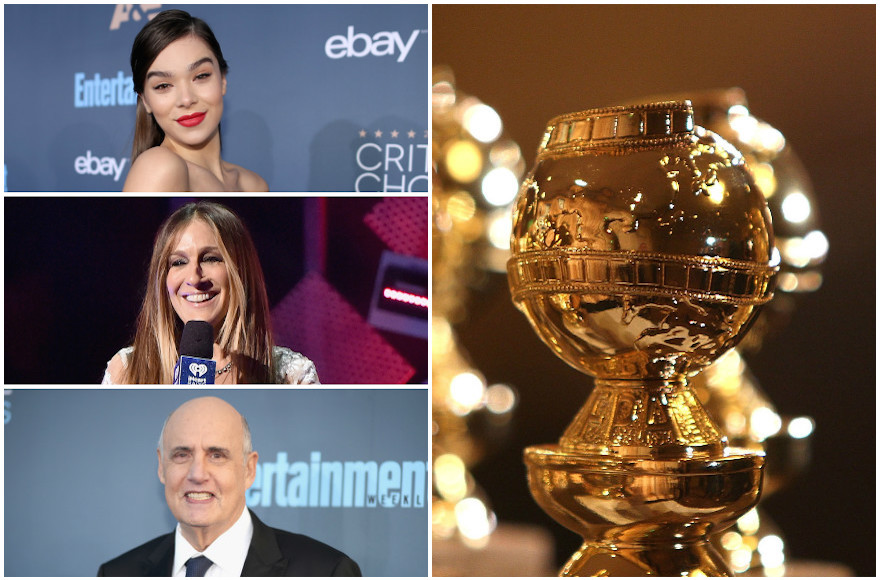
195,366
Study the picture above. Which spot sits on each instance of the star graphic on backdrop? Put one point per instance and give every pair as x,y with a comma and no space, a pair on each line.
394,134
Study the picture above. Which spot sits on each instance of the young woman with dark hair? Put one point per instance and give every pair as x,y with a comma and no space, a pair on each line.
179,74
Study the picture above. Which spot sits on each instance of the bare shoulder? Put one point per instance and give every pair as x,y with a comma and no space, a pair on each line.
158,169
249,180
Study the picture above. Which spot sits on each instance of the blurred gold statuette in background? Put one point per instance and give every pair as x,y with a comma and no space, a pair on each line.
476,173
642,252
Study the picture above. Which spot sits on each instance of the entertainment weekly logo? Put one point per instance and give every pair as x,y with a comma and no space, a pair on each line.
392,160
346,484
94,90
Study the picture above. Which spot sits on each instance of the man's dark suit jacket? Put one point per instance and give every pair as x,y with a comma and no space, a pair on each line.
272,553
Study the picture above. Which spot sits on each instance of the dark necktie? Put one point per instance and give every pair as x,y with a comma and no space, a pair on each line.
197,566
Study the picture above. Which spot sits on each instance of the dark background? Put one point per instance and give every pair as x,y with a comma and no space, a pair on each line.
807,70
75,272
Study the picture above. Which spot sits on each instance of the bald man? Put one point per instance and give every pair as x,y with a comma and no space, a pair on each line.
206,462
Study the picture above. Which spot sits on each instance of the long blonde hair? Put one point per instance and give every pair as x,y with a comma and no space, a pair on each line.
246,330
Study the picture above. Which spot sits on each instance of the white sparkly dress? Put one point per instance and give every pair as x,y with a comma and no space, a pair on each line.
291,368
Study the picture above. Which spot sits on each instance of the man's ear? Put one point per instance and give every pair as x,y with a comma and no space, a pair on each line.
161,469
250,468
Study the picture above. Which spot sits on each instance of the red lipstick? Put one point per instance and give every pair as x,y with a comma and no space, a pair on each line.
191,120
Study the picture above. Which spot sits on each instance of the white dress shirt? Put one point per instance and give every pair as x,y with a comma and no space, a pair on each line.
227,552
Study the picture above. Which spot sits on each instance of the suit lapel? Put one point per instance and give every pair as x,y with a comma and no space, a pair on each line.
264,557
160,560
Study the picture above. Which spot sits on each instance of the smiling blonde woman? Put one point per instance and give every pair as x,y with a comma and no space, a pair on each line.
205,267
179,75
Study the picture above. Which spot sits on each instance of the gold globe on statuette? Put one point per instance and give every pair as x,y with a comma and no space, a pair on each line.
642,251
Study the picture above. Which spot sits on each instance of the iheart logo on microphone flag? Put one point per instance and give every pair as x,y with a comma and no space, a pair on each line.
197,369
194,371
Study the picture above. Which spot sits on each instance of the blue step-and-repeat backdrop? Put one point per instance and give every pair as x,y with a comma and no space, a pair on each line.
81,487
319,97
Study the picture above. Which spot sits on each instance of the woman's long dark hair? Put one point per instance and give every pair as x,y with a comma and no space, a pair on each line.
165,28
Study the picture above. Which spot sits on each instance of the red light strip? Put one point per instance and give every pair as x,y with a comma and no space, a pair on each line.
400,296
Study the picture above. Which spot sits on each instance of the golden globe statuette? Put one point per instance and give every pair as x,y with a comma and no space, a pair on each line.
642,251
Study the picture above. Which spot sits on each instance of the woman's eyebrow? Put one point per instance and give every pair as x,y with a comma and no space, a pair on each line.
202,250
193,66
199,63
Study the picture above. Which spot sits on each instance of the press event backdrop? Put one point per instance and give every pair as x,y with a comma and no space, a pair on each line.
319,98
80,473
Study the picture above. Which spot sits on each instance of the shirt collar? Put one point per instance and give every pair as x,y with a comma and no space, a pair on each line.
227,552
